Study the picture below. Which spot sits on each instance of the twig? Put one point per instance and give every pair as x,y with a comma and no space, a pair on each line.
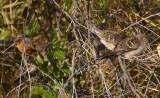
13,90
127,77
104,82
147,85
118,78
8,48
92,84
50,19
140,21
39,22
74,54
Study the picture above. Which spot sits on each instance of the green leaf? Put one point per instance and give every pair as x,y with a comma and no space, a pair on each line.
59,54
57,45
40,60
45,95
57,85
35,89
39,90
54,33
31,28
45,66
51,96
5,33
75,79
66,69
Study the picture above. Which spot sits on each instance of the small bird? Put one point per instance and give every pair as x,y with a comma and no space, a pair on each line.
32,69
20,42
131,46
109,38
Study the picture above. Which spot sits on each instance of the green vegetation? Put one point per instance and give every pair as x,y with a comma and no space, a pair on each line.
66,53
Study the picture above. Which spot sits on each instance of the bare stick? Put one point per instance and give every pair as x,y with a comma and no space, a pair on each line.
127,77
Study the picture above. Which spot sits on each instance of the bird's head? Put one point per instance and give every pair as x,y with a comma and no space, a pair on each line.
18,39
143,38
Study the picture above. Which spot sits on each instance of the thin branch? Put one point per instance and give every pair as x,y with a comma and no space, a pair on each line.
127,77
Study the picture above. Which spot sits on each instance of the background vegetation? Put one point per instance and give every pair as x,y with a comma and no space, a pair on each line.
69,66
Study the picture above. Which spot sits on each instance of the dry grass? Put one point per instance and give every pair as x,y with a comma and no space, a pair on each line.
69,60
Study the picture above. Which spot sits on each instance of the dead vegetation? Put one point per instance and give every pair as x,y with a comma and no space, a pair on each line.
70,64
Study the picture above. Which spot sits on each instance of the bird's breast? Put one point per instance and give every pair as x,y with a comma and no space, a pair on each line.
20,46
132,53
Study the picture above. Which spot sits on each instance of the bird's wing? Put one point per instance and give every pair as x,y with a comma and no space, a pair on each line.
28,43
126,45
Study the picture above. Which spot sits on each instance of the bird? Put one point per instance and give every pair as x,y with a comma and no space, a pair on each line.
31,70
22,41
109,38
131,46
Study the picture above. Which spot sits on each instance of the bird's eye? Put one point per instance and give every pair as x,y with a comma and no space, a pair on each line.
144,39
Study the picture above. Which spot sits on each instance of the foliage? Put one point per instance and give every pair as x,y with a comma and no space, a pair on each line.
67,63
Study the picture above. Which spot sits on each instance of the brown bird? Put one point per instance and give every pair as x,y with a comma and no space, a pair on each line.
131,46
20,42
109,38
